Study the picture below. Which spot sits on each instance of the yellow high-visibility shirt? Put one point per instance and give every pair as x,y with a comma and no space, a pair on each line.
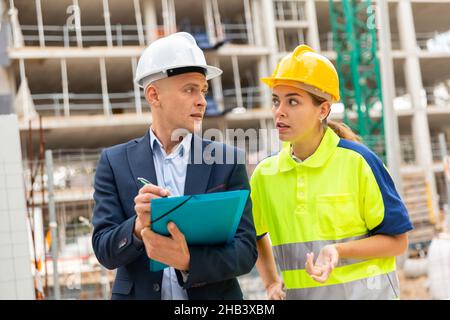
342,192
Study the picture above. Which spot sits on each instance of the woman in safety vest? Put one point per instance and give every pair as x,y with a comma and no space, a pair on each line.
323,195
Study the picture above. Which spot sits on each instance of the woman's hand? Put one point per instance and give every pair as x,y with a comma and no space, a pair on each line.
276,291
326,261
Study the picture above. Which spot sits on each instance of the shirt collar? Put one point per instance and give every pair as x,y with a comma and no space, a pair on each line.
181,149
294,156
326,148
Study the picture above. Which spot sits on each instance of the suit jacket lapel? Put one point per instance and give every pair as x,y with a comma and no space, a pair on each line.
140,160
197,175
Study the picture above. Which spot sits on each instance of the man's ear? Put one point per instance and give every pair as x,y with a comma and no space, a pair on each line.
151,95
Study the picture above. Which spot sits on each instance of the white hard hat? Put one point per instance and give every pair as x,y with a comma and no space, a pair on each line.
166,56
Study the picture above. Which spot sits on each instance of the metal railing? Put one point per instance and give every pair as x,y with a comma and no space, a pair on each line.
407,148
437,96
426,41
251,98
121,35
72,168
53,103
235,33
288,40
289,10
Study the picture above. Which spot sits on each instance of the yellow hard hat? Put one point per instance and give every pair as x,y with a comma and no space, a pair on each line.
308,70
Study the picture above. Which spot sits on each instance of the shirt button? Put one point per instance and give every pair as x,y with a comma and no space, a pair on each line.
156,287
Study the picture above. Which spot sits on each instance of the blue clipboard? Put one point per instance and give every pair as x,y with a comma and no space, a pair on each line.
204,219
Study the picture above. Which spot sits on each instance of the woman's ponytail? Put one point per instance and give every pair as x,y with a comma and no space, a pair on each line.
343,131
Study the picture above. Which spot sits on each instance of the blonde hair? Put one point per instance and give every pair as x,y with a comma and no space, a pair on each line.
341,129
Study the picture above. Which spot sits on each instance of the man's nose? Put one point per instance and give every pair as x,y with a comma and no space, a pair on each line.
201,102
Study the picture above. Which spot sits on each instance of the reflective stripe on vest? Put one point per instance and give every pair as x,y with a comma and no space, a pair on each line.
351,274
384,286
292,256
297,279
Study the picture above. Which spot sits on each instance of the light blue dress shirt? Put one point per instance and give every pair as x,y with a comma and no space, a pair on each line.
171,174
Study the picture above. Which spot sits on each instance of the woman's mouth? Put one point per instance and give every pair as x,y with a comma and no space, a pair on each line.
282,127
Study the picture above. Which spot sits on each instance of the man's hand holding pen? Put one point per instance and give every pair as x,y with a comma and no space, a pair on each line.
172,250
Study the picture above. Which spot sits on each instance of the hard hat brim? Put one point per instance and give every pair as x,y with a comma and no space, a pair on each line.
271,82
211,73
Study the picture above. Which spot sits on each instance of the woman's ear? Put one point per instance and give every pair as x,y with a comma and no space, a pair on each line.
325,109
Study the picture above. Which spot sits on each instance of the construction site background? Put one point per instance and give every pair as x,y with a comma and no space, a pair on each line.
66,71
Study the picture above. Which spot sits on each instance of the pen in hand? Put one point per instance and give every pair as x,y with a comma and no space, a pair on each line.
145,182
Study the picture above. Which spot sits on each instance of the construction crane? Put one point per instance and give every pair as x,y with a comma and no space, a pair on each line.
355,43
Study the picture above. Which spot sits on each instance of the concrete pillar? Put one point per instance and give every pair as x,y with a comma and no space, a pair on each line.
169,16
65,87
237,81
313,30
138,17
217,20
390,118
16,281
150,21
209,21
78,23
137,90
413,76
217,86
257,27
104,81
269,31
248,22
263,71
106,16
40,23
5,92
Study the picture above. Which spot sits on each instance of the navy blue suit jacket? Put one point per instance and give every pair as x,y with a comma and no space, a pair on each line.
213,269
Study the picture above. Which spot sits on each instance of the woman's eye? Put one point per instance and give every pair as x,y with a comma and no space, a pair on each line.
293,102
189,90
275,102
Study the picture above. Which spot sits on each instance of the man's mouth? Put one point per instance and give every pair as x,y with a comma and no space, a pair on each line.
197,116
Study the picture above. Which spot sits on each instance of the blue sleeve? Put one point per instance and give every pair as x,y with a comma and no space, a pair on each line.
383,209
395,219
112,238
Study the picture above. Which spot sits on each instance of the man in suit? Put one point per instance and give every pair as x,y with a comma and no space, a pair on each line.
173,73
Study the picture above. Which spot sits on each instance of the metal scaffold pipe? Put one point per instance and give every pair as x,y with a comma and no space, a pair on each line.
52,223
